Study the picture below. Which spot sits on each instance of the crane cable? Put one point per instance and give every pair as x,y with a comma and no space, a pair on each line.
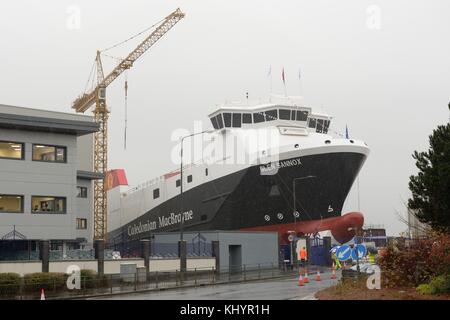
132,37
126,111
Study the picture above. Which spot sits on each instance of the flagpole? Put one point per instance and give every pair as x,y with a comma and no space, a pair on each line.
284,82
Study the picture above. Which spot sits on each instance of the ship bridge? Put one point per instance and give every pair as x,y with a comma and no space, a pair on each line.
269,115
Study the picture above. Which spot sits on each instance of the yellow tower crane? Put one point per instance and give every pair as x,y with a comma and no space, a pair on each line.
97,96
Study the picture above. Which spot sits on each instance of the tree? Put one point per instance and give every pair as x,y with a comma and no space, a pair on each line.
431,186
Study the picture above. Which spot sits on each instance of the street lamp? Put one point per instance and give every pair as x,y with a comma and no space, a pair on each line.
181,177
293,191
295,211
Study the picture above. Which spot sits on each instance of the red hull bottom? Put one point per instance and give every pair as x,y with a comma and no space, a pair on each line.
342,228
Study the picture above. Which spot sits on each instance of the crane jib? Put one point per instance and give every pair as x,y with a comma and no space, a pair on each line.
87,100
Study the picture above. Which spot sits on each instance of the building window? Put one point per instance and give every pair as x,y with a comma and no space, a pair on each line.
12,150
48,204
49,153
11,203
81,224
156,193
178,183
81,192
189,178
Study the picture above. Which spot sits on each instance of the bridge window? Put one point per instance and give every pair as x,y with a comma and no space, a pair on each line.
326,126
285,114
292,114
227,119
219,121
312,123
237,120
302,115
214,123
319,125
156,193
271,115
258,117
246,118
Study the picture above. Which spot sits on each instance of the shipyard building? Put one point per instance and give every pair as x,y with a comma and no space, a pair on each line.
46,185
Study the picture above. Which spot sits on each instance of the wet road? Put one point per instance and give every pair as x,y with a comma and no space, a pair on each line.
271,289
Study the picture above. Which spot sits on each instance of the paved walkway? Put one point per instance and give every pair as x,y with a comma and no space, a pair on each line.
270,289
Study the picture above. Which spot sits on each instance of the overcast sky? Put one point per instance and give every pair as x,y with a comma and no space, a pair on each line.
380,67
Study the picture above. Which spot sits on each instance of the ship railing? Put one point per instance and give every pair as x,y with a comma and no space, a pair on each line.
154,181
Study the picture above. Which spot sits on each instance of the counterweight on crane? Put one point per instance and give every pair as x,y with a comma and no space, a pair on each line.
97,96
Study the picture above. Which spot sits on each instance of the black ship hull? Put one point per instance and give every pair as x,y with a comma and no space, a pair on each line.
248,199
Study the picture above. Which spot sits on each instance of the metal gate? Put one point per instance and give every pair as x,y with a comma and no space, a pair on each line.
318,253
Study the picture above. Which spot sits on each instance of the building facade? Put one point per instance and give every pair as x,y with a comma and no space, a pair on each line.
46,179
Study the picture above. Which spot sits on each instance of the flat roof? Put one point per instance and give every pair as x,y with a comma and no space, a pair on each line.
13,117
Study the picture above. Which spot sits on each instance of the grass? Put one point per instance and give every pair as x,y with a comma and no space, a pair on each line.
357,290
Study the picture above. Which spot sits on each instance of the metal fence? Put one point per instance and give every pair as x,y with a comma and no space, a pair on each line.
140,281
132,249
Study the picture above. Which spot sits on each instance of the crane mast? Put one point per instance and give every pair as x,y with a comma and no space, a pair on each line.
98,97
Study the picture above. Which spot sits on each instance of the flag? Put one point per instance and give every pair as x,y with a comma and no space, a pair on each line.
282,76
270,71
346,132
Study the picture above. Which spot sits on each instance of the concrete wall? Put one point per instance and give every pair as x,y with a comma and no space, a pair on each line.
21,267
256,247
111,266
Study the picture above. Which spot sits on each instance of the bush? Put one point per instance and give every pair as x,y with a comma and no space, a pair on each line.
417,263
440,284
424,289
90,279
54,281
9,283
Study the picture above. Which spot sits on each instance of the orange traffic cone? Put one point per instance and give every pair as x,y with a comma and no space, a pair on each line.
306,279
318,275
300,281
42,294
333,273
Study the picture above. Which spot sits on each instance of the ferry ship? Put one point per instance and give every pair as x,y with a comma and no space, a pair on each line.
270,166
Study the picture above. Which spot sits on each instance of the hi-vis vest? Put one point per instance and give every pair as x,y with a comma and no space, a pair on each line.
303,254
